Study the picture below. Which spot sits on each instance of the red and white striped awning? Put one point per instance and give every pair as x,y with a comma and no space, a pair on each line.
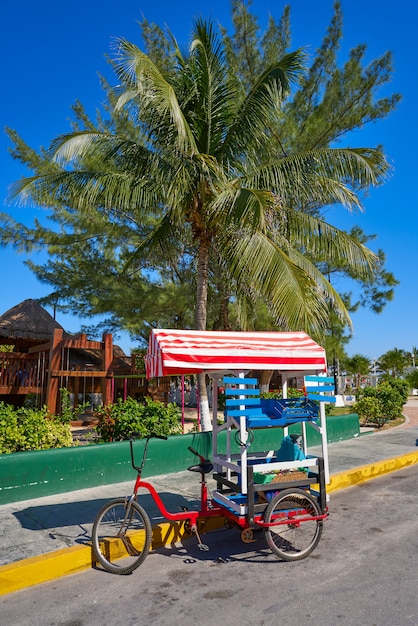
172,352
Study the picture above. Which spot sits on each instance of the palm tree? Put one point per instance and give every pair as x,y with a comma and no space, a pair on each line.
394,362
207,167
357,365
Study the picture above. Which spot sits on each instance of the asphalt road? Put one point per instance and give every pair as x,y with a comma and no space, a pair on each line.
364,571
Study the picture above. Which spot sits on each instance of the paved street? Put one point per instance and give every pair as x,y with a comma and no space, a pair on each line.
55,531
363,571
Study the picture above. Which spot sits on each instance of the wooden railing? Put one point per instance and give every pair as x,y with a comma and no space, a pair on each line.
21,373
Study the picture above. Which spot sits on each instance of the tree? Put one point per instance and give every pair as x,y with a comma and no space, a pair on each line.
330,103
412,379
414,355
357,366
394,362
248,51
207,169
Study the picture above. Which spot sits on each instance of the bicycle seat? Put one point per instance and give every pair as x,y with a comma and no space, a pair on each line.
203,468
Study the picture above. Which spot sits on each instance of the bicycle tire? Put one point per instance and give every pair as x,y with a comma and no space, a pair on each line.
120,545
297,539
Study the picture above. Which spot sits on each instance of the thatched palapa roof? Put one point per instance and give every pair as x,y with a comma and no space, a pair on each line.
27,322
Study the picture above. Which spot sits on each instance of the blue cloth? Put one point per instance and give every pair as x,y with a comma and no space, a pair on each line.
289,451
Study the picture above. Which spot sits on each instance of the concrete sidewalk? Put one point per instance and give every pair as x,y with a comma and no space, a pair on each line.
49,537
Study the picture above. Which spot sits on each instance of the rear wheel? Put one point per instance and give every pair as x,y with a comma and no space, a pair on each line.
121,536
295,539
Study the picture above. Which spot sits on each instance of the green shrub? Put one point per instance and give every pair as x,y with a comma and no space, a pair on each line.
11,437
68,412
399,385
369,410
31,429
292,392
118,421
388,399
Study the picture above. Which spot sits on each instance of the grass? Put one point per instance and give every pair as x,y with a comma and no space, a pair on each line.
341,410
396,422
390,424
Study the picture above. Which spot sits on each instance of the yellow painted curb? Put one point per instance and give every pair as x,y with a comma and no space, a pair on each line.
53,565
40,569
349,478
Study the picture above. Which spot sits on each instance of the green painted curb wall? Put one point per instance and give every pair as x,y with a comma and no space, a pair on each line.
29,475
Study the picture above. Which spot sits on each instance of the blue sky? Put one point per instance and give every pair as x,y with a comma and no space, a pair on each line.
51,54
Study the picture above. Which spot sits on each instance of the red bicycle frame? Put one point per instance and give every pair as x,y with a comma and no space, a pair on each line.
204,511
206,508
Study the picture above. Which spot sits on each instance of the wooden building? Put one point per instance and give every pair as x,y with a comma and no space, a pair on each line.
44,358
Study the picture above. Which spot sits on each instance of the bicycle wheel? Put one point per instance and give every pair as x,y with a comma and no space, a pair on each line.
121,538
296,539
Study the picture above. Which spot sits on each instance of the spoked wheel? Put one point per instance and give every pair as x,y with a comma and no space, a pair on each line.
295,539
121,536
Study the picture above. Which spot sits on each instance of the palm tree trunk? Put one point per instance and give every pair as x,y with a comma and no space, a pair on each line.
201,316
264,380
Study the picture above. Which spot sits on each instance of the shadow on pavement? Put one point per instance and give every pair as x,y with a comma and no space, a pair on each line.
78,513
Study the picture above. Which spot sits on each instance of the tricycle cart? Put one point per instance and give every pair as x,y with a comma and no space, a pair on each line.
256,490
280,492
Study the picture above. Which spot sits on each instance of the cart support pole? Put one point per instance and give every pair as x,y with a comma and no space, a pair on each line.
322,486
323,432
214,418
250,495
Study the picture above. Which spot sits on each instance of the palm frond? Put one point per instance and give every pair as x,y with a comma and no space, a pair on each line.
290,293
90,191
254,114
204,87
320,239
241,206
324,176
155,93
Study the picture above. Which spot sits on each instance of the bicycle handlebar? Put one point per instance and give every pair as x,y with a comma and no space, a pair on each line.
202,458
136,435
133,436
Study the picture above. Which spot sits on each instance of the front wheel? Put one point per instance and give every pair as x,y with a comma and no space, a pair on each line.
299,535
121,536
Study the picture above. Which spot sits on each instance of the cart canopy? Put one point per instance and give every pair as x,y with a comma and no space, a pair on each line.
172,352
